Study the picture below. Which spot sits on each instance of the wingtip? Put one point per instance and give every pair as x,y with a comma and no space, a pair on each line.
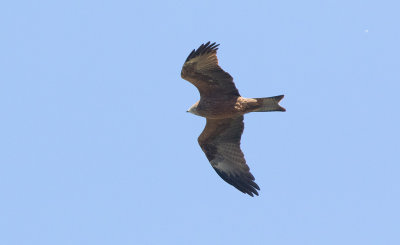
204,48
251,193
246,186
254,193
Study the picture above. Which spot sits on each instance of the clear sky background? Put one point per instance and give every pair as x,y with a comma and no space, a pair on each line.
97,148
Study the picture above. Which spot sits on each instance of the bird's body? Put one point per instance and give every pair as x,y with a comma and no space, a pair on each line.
226,107
222,105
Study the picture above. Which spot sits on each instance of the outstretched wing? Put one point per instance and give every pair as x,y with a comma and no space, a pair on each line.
220,141
202,70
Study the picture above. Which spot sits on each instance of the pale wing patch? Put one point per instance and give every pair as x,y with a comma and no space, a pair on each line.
226,166
233,159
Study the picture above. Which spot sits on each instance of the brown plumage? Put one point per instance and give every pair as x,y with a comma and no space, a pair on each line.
222,105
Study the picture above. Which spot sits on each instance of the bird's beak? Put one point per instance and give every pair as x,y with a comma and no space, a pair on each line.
187,111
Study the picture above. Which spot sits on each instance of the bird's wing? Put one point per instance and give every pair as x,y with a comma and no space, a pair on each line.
202,70
220,141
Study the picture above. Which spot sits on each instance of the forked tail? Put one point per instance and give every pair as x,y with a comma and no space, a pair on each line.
270,104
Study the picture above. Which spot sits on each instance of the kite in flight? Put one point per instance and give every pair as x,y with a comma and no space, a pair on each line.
223,107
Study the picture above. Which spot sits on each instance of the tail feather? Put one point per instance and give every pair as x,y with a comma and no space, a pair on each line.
270,104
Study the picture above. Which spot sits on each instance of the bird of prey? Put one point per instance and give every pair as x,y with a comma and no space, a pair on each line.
223,107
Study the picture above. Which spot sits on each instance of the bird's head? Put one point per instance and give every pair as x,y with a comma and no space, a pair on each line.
193,109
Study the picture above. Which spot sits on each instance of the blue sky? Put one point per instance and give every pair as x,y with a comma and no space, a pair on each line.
96,146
